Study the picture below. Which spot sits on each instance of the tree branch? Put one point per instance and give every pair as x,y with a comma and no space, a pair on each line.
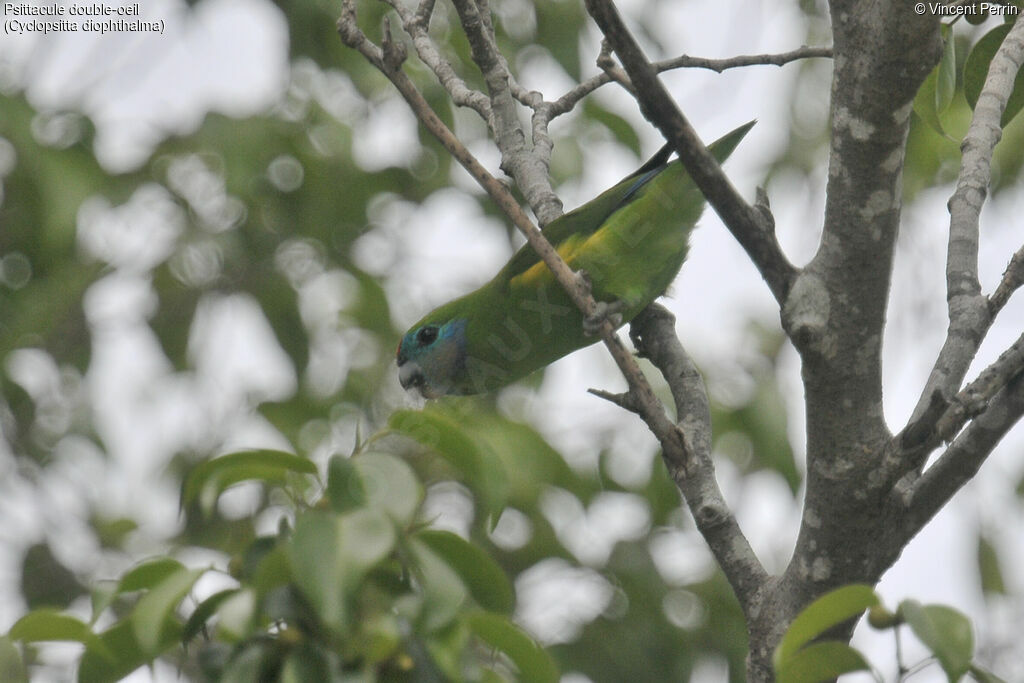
963,458
1013,278
720,65
970,313
544,112
417,25
653,334
975,397
751,225
528,170
388,59
566,102
524,96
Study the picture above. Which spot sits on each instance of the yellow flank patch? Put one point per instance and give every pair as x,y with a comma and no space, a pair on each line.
539,271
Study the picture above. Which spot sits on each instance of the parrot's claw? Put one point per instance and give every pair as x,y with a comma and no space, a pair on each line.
612,312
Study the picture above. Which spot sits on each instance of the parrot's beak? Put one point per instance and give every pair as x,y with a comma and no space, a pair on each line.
411,376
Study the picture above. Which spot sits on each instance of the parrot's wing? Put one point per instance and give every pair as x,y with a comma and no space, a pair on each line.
580,223
583,221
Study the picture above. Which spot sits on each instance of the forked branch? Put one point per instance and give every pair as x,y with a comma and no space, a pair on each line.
942,410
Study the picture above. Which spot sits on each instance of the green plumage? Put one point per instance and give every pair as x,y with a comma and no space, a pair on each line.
631,241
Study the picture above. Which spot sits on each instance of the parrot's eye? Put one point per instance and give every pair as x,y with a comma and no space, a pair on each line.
426,335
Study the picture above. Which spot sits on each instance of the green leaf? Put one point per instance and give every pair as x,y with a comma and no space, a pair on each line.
148,574
390,485
12,669
481,469
111,533
821,662
486,581
926,99
50,625
443,591
209,479
273,570
118,654
304,664
976,71
45,581
829,610
989,569
936,93
101,596
381,635
555,21
344,486
945,81
202,613
247,666
330,554
153,615
619,126
245,565
442,658
528,461
945,631
533,662
236,614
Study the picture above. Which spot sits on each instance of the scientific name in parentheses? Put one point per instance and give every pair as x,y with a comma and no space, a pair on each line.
22,9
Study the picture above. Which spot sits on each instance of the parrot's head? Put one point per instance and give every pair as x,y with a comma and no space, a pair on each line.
432,356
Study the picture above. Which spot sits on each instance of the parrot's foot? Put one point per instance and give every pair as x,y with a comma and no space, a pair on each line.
612,312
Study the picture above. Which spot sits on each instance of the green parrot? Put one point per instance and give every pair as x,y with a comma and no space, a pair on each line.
631,241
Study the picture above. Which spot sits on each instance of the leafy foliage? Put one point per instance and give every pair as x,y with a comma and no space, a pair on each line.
352,586
805,655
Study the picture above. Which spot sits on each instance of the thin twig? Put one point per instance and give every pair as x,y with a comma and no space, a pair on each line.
570,99
653,332
424,12
417,25
546,111
963,458
975,397
970,313
528,170
720,65
1013,278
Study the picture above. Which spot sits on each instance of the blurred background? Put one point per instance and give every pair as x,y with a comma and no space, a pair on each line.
212,237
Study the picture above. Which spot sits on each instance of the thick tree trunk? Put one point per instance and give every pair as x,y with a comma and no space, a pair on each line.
835,314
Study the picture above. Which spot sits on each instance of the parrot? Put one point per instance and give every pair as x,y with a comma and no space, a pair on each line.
630,241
